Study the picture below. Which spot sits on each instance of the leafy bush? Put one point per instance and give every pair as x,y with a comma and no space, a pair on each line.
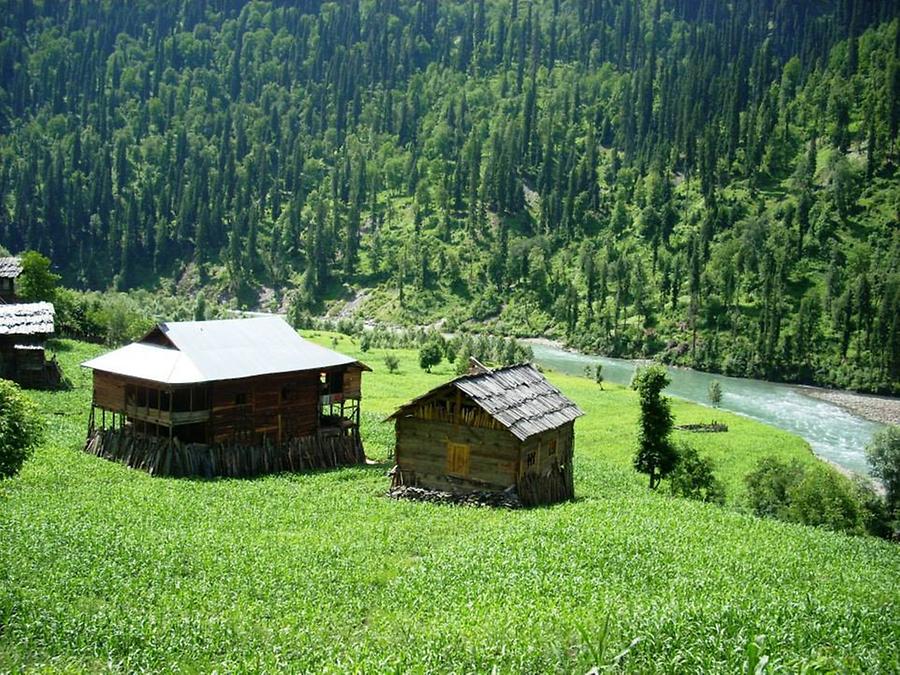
877,516
122,320
37,282
429,356
298,313
392,363
115,318
20,428
825,498
883,453
769,484
693,477
451,348
714,393
811,495
365,342
462,358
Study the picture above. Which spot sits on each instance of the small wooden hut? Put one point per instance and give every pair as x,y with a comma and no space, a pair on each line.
10,269
24,328
236,397
505,430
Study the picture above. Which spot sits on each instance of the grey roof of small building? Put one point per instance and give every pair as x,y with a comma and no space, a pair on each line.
209,351
10,268
518,397
30,318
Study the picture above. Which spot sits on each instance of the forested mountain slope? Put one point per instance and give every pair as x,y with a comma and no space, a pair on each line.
712,182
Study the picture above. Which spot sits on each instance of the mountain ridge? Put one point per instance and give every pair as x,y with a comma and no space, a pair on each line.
711,185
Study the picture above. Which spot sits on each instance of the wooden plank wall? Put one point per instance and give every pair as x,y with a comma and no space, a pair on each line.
109,391
547,479
276,407
422,450
353,383
541,445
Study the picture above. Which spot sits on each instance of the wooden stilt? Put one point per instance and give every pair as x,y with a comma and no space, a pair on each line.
163,456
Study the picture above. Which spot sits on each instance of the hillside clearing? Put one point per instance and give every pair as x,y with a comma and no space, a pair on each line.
106,568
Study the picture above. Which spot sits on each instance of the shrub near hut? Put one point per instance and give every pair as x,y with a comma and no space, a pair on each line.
20,428
815,495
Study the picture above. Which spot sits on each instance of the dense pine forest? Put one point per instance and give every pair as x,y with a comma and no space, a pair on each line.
714,184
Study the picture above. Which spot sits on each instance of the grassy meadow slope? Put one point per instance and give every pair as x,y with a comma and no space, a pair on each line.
106,568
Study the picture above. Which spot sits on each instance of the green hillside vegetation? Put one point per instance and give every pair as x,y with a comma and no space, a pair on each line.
711,183
106,568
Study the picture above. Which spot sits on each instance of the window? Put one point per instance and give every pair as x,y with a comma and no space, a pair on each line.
551,447
531,458
240,399
458,458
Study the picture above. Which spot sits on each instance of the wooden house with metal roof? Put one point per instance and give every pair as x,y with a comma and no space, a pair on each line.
10,269
24,329
234,397
505,430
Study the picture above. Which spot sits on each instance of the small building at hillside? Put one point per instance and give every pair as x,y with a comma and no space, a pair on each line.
236,397
10,269
24,329
505,430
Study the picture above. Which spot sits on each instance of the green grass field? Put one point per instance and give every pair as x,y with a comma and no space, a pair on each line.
105,568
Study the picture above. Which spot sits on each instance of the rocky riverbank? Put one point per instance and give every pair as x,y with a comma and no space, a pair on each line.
882,409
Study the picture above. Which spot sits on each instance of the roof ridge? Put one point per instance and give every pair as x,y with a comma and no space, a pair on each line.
512,395
494,371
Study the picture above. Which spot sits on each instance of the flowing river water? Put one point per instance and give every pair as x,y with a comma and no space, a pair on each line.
833,433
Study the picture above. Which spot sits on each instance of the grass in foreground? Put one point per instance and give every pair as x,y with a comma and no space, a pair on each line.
106,568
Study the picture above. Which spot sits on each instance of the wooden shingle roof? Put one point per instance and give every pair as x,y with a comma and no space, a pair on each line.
10,268
518,397
33,318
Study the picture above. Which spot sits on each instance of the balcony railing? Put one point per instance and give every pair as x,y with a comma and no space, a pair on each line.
165,417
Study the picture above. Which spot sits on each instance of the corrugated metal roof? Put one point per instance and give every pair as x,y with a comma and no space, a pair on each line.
148,362
208,351
30,318
10,268
518,397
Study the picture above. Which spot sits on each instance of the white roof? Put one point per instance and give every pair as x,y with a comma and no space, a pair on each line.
208,351
148,362
10,268
31,318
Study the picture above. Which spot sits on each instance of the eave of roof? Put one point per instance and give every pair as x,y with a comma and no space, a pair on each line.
147,362
211,351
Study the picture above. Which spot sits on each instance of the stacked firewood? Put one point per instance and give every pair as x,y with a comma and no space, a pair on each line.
504,500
